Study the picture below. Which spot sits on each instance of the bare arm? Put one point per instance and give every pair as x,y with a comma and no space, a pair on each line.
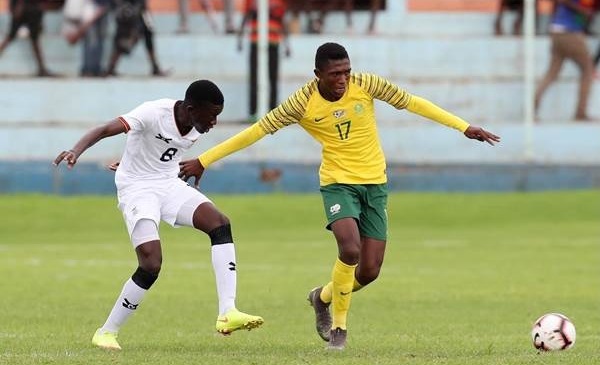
109,129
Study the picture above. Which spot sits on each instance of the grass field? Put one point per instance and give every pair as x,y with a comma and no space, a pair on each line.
464,278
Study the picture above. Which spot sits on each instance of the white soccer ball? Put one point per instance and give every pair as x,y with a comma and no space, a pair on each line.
553,331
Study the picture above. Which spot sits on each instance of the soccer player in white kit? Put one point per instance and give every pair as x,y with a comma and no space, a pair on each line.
149,190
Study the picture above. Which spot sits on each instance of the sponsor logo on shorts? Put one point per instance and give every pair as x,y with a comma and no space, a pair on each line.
335,209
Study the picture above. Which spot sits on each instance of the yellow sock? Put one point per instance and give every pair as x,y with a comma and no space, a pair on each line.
326,291
343,279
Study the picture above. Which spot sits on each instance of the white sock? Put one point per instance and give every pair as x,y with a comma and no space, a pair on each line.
126,304
223,260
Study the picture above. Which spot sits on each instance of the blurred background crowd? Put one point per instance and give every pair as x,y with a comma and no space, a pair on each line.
108,30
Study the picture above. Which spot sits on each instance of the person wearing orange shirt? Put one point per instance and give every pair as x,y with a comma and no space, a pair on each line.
278,32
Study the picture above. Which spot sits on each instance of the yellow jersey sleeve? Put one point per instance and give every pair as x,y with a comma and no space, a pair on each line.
241,140
384,90
429,110
289,112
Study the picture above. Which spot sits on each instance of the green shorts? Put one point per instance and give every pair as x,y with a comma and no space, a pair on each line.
366,203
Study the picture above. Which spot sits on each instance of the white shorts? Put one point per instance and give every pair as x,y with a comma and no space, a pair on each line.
159,200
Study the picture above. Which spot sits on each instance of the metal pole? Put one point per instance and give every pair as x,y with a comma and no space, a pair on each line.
529,77
263,31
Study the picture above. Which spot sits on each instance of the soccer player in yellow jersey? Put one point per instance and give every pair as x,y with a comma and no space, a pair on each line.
336,108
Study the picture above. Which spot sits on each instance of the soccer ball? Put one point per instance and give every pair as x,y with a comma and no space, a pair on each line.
553,331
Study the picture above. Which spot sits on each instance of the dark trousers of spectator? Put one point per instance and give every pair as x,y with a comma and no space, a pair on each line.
93,48
273,76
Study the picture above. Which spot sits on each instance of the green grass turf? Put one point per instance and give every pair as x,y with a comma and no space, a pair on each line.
464,278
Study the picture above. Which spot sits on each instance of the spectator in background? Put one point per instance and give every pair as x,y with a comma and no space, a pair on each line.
317,10
133,20
516,6
597,56
93,30
567,32
278,32
93,41
228,13
184,11
29,14
349,9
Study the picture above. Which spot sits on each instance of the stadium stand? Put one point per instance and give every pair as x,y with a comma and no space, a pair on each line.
448,54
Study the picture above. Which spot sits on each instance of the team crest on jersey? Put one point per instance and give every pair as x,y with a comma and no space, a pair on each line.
339,113
359,108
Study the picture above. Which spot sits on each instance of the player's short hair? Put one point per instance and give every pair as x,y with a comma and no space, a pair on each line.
203,91
329,51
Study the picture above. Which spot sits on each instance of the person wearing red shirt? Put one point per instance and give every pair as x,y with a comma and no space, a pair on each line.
278,32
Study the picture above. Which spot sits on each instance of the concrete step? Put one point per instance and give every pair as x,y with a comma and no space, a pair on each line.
49,102
475,57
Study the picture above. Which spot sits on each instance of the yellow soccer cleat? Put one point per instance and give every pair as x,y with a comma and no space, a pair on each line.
235,320
106,340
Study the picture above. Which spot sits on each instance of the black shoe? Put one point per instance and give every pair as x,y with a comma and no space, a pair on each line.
322,316
337,339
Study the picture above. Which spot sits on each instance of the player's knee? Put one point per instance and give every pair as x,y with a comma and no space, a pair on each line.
222,220
365,277
152,266
149,259
349,252
144,278
221,234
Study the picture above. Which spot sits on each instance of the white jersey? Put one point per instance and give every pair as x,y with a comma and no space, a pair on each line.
154,145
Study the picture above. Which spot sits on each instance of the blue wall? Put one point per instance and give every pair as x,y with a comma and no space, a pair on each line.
93,178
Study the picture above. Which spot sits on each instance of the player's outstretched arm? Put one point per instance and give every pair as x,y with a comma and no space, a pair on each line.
480,134
109,129
195,168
